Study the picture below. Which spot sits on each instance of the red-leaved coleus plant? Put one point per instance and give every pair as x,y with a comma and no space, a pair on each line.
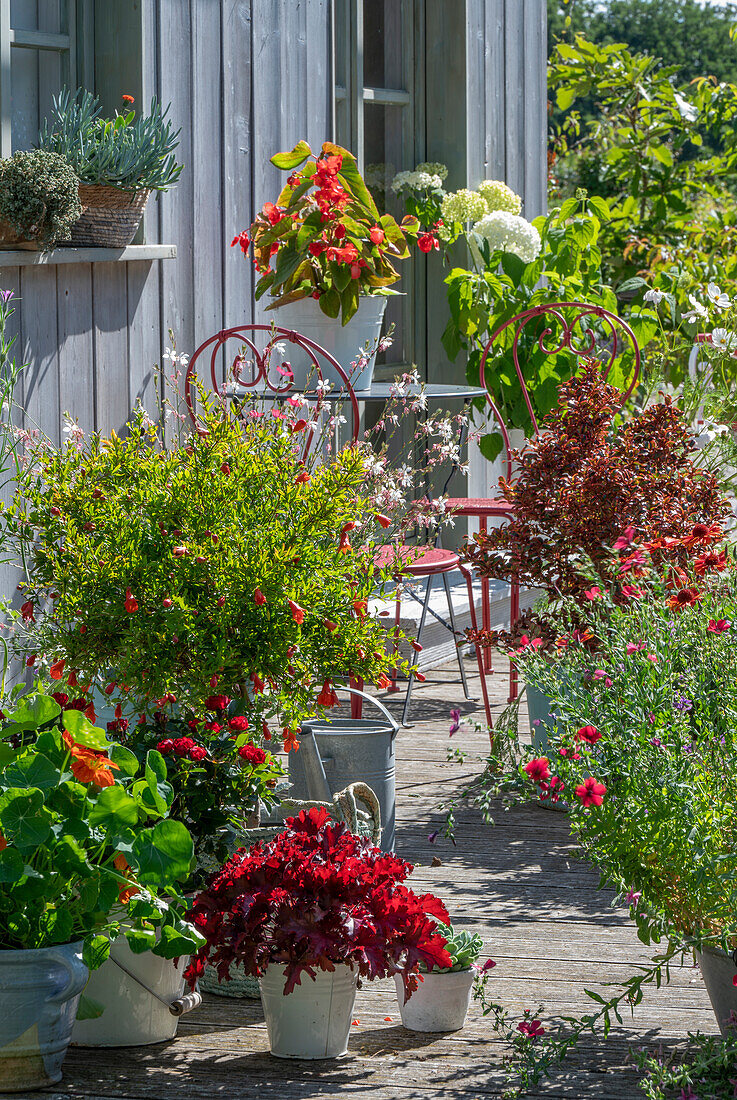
314,897
590,484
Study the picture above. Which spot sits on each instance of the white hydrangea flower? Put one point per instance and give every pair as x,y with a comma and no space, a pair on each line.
498,196
415,181
433,168
510,233
463,206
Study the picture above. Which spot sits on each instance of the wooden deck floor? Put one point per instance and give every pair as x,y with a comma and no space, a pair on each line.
545,923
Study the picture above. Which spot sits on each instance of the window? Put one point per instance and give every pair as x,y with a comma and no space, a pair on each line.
37,57
375,117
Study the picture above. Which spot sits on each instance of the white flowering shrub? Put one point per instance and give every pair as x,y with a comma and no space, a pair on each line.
433,168
510,233
498,196
415,181
461,206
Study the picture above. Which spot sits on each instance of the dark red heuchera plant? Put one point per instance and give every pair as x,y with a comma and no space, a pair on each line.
589,485
312,898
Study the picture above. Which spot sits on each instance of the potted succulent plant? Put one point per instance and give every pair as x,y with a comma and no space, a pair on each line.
441,1000
587,485
119,161
85,846
39,200
310,913
333,257
645,750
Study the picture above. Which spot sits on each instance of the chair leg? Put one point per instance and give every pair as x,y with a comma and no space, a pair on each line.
479,655
485,600
420,628
513,616
456,639
397,619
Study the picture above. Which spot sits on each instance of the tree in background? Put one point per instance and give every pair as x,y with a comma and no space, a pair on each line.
692,34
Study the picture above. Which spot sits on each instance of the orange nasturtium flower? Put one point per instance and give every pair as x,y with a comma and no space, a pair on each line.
3,843
89,766
120,863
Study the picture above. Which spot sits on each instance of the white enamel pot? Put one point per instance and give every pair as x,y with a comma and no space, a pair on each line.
39,993
439,1003
314,1020
341,341
135,992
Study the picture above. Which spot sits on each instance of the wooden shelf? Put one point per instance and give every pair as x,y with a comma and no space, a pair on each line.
27,258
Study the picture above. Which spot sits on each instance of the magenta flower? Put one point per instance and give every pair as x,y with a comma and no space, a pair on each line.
719,626
532,1029
455,721
626,539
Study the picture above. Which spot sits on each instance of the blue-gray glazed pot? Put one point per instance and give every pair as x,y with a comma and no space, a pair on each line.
39,995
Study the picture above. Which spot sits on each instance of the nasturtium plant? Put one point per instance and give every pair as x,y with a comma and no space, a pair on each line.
87,850
327,235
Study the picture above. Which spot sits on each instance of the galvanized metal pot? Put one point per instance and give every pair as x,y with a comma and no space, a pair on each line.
718,969
439,1003
39,994
334,754
314,1020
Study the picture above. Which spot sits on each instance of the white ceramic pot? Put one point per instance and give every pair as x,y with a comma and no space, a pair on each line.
314,1020
343,342
132,1016
718,970
39,994
439,1003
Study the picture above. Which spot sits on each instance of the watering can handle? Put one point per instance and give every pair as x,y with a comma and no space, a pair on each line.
377,703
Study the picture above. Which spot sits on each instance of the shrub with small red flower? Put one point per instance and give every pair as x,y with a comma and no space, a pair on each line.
325,234
203,571
315,897
588,479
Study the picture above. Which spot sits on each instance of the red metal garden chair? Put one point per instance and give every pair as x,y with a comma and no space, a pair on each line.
254,369
567,323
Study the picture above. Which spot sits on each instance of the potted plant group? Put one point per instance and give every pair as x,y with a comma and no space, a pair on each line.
323,252
441,1000
644,751
309,914
119,161
85,849
589,483
39,200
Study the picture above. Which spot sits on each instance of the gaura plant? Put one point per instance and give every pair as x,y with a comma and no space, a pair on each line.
312,898
327,235
228,564
86,845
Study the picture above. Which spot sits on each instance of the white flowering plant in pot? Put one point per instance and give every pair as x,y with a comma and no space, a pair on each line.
512,264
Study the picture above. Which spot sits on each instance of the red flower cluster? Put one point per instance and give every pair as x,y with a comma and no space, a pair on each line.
252,754
182,747
314,897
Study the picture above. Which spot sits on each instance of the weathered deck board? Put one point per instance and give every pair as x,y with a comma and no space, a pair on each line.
549,928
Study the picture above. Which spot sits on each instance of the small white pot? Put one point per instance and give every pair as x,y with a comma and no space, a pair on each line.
133,1017
718,970
314,1020
439,1003
343,342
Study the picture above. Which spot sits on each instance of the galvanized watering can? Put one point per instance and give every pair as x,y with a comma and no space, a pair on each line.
334,754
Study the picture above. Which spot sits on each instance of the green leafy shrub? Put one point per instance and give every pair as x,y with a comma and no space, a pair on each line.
131,152
225,565
39,196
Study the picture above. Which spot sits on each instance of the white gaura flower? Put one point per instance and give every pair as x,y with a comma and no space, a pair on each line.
654,296
498,196
716,297
698,310
723,340
510,233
